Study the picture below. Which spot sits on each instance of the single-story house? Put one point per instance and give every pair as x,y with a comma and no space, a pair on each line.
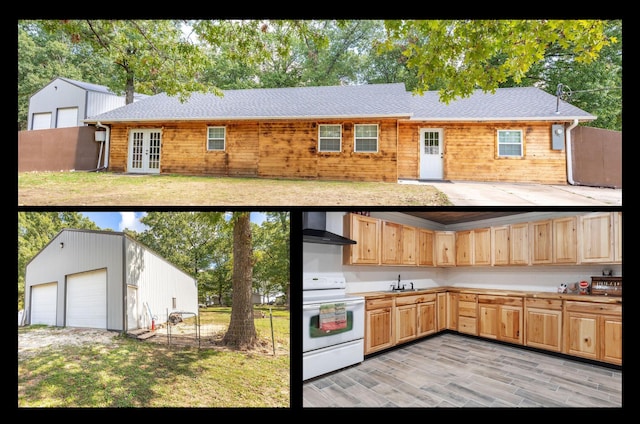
378,132
106,280
66,103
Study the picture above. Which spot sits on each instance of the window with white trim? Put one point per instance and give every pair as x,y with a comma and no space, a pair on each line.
509,143
329,138
366,138
216,138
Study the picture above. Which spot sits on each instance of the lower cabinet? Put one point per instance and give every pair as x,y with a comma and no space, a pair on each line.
468,313
593,331
543,319
415,316
378,325
500,318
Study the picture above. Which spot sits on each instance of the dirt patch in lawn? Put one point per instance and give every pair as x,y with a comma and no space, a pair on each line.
109,189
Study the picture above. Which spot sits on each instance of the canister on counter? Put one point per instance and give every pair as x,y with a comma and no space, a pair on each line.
585,287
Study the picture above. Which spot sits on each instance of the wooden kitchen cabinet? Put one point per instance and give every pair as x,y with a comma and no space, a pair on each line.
468,313
617,222
445,248
391,243
500,245
441,306
565,240
482,246
598,237
452,311
593,331
409,245
519,244
415,316
543,319
426,242
464,248
541,235
366,232
501,318
378,324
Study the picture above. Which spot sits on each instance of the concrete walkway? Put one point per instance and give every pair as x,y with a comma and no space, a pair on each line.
471,193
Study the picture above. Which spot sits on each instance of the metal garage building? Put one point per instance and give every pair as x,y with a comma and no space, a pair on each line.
103,279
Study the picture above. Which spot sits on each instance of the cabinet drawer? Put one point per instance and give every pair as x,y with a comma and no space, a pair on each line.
410,300
379,303
467,309
467,325
553,304
467,297
500,300
594,308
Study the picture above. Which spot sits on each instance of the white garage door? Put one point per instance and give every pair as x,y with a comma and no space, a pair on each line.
87,300
41,121
43,303
67,117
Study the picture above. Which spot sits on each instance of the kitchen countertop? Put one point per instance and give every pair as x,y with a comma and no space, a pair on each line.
496,292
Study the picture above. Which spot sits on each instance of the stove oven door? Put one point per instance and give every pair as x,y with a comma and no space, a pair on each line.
318,336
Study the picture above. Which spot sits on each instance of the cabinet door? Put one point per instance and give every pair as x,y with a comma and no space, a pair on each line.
597,237
565,240
426,318
391,243
378,330
441,304
581,335
489,321
366,232
445,252
482,246
406,323
519,244
510,329
541,233
425,247
464,248
500,245
544,329
617,254
409,245
611,339
452,309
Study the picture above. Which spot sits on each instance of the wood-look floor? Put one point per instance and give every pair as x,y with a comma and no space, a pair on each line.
452,370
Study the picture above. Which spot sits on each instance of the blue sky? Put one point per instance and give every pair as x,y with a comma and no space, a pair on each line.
118,221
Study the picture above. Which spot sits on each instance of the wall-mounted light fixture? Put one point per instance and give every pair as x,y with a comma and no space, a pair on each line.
559,131
61,245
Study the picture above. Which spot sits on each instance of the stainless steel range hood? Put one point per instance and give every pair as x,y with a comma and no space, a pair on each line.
314,230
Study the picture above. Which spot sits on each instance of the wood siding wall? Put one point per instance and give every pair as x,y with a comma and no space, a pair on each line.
273,149
470,153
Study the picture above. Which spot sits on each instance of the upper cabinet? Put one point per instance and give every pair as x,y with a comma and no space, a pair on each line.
500,245
366,232
464,248
565,240
598,237
482,246
426,242
519,244
541,233
391,243
445,248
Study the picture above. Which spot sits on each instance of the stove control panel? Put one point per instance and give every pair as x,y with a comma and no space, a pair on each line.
323,281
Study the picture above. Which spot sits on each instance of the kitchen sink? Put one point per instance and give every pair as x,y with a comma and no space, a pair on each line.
401,290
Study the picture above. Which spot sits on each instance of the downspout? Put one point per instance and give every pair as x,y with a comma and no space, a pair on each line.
125,323
569,154
105,145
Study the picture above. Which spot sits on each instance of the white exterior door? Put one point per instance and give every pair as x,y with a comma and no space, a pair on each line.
132,308
43,304
431,153
144,151
87,300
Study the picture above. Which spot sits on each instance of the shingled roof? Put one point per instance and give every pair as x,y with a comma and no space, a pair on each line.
353,101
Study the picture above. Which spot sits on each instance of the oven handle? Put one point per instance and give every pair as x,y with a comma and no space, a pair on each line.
348,302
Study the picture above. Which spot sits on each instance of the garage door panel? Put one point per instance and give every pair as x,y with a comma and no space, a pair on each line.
87,300
43,304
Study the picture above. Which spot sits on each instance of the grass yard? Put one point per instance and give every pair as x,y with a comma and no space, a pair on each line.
133,373
110,189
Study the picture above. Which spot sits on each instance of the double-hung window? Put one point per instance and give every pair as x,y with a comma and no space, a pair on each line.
329,138
216,138
366,137
510,143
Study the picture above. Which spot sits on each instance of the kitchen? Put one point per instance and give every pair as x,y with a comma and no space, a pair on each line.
543,277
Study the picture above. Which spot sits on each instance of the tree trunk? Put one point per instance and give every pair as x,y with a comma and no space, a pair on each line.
242,332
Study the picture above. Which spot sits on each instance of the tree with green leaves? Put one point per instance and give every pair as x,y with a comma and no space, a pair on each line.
272,252
241,333
465,55
35,231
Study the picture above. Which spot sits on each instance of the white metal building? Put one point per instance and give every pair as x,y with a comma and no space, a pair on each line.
66,103
103,279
